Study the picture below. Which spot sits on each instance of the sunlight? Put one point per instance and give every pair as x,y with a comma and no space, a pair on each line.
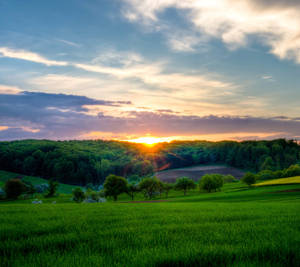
149,141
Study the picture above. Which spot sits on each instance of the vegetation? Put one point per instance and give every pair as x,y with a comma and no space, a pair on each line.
184,184
132,189
84,162
149,186
78,195
52,188
210,182
14,188
115,185
249,179
235,227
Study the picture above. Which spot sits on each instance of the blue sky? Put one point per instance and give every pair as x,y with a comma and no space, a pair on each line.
222,69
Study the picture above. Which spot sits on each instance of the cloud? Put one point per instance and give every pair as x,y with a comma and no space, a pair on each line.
275,23
68,42
29,56
59,116
9,90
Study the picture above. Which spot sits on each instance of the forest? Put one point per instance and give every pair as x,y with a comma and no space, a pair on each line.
83,162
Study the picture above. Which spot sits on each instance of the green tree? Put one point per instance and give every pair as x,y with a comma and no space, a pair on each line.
211,182
78,195
132,190
167,188
114,186
184,184
52,188
249,178
149,186
14,188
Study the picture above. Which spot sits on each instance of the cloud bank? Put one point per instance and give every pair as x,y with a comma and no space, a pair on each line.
60,116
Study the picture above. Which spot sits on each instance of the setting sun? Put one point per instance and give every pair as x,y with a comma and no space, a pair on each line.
149,140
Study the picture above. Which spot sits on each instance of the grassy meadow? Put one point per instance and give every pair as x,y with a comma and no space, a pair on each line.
239,226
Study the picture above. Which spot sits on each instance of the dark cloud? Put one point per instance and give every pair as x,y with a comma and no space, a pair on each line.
39,115
267,4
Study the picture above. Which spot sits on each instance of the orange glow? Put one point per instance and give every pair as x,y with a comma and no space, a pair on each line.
149,141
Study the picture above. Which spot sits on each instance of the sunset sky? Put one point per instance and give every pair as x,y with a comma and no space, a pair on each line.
173,69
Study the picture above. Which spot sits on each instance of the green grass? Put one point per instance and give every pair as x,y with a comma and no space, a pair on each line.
4,176
290,180
259,226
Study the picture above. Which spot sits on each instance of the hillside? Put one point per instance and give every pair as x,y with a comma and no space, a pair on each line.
82,162
4,176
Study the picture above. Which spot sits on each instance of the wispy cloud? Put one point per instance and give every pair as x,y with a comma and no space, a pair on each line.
275,23
29,56
68,42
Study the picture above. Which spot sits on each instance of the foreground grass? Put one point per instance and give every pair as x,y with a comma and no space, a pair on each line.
236,227
290,180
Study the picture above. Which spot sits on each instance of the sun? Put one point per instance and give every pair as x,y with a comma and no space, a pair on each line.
149,141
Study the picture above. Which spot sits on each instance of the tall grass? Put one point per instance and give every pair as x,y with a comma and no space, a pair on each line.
237,227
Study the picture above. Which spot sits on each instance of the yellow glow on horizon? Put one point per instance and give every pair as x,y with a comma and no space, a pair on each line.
150,141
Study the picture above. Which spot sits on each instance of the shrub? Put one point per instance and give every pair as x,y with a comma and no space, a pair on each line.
184,184
249,179
52,188
78,195
115,185
211,182
149,186
2,193
278,174
14,188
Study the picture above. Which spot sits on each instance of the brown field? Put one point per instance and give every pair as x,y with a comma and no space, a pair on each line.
196,172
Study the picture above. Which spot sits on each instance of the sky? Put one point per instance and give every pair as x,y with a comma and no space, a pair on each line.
173,69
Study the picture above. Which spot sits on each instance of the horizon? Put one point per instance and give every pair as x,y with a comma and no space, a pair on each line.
147,72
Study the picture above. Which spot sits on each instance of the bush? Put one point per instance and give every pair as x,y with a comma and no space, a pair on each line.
115,185
78,195
149,186
167,188
14,188
211,182
184,184
249,179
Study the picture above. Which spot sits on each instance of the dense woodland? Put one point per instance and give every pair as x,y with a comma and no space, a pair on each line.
82,162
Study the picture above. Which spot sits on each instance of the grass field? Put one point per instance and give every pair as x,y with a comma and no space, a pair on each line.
235,227
4,176
291,180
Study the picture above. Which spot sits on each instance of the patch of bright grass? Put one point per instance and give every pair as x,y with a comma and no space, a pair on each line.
290,180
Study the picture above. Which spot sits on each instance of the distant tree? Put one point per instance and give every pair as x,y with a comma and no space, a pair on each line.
149,186
132,189
249,179
78,195
114,186
293,170
52,188
167,188
229,178
211,182
266,175
184,184
14,188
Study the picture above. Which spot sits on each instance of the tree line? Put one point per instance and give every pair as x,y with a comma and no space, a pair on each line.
83,162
